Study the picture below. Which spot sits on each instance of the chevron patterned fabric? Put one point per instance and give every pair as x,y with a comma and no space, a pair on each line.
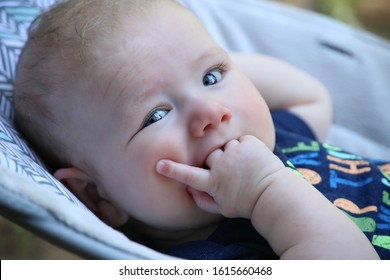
15,17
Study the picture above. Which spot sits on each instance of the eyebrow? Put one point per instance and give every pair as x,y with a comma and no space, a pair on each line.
212,52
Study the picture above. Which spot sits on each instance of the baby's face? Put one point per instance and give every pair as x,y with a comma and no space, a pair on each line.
175,95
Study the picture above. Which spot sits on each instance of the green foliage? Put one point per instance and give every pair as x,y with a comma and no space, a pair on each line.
343,10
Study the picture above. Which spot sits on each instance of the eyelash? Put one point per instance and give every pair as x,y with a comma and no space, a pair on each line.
222,68
146,123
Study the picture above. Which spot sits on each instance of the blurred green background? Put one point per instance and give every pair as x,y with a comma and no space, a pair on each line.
372,15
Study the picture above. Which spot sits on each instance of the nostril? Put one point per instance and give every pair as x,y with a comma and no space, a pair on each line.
207,127
207,117
224,118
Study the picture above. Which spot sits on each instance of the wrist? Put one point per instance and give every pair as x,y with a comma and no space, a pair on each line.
266,187
270,204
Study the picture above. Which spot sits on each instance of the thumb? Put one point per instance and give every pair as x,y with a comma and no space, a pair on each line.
204,201
195,177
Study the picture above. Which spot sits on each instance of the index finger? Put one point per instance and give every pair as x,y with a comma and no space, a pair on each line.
195,177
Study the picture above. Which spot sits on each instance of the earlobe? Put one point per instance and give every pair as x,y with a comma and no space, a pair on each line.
83,187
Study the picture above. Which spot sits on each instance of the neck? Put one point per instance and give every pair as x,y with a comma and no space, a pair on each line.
159,238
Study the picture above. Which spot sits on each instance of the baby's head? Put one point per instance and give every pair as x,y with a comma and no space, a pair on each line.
107,88
70,48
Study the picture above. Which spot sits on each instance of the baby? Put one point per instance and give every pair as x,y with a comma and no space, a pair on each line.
156,128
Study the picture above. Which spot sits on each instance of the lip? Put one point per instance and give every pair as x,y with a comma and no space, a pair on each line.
214,147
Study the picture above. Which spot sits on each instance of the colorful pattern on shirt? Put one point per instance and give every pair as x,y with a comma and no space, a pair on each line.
359,187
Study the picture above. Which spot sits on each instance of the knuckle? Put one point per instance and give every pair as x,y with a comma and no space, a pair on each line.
186,175
189,178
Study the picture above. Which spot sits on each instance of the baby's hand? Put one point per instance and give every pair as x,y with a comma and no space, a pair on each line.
237,177
247,180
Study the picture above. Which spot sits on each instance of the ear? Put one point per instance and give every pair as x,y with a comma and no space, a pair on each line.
84,188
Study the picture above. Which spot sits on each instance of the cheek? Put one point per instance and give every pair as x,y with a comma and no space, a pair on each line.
147,151
138,163
255,114
131,182
141,192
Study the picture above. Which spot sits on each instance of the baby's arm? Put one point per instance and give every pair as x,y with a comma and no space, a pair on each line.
285,87
247,180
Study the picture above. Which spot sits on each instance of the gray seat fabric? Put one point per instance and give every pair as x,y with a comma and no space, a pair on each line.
353,64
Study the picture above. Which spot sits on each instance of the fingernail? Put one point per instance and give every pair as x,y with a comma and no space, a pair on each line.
160,166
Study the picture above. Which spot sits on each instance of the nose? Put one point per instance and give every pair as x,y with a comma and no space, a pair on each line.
207,115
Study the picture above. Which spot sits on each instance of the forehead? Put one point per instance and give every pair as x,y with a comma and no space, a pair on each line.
168,29
169,40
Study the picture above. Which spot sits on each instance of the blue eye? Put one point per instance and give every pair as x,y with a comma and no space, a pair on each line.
212,77
155,116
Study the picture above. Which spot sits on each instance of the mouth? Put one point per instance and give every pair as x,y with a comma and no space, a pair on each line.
203,162
214,148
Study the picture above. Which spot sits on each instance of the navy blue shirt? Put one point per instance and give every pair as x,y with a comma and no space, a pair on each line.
357,186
